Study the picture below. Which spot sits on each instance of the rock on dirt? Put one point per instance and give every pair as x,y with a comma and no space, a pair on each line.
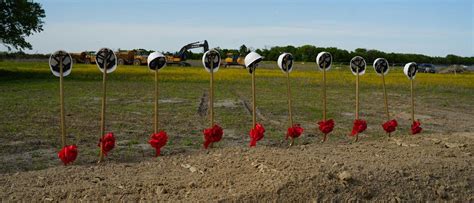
345,176
454,145
192,169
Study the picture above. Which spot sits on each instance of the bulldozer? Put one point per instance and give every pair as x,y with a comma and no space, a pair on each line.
86,57
128,57
180,58
234,60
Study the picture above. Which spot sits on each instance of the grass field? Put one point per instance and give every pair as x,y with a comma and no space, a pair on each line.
29,107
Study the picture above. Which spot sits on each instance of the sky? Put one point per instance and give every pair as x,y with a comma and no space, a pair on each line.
431,27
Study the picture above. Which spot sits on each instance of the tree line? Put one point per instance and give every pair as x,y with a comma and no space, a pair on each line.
307,53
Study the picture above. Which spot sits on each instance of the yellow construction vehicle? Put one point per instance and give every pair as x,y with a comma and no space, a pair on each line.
180,57
234,60
86,57
136,57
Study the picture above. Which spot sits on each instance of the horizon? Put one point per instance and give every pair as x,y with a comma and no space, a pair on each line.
439,27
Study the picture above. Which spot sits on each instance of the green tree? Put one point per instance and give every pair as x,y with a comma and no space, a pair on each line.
453,59
243,51
19,19
307,52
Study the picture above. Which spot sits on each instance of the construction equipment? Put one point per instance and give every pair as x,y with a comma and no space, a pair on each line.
128,57
86,57
180,57
234,60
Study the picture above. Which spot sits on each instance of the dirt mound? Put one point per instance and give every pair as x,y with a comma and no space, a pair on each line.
422,168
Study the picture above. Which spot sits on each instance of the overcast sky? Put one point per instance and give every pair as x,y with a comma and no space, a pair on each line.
432,27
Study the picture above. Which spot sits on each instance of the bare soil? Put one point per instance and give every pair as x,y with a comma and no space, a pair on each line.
422,168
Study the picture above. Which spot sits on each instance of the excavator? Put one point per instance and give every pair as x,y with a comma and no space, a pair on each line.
180,58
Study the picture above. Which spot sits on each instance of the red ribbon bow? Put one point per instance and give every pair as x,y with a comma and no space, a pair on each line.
108,143
256,134
158,140
390,126
68,154
326,126
294,131
415,127
359,126
212,135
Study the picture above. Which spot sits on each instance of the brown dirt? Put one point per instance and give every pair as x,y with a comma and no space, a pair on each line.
203,105
422,167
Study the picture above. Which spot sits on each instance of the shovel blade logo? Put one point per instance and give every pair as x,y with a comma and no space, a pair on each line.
106,56
55,61
358,65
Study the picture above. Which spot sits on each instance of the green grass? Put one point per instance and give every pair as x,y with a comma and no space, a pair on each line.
29,106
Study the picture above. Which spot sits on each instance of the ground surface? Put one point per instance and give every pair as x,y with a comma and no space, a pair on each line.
434,165
427,167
